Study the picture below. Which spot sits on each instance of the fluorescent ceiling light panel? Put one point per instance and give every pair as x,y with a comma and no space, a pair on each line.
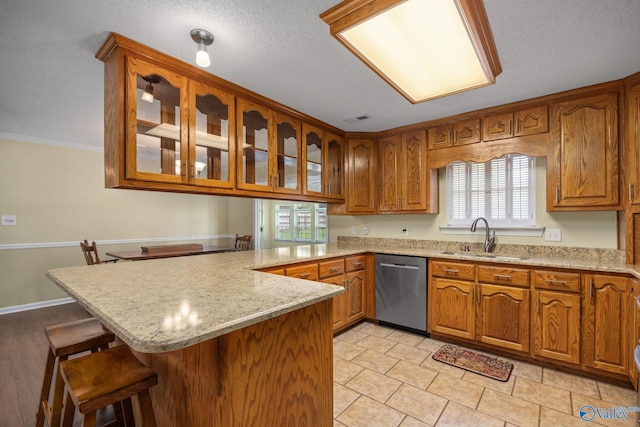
424,48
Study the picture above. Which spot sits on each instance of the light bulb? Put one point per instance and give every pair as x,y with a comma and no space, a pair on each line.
148,94
202,57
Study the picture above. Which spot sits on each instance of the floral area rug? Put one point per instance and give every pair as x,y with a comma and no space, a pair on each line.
482,364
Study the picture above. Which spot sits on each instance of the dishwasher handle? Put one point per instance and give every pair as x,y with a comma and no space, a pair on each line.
407,267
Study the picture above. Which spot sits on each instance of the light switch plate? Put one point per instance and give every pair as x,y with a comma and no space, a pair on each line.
365,230
8,220
405,231
553,234
354,230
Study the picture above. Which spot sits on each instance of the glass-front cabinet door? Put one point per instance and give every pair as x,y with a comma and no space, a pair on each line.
212,156
286,167
334,166
314,148
254,131
157,130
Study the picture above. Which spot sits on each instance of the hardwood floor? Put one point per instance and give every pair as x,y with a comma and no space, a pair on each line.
23,355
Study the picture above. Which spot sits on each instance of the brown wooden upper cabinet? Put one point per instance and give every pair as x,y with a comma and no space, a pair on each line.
177,130
530,121
633,140
361,177
323,153
582,162
269,158
461,133
405,182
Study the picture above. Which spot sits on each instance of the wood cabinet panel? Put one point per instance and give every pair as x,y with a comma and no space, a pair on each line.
453,270
330,268
303,271
556,280
532,121
582,165
503,275
389,167
497,127
355,282
452,307
466,132
361,178
606,322
503,317
339,301
357,262
556,326
440,137
634,316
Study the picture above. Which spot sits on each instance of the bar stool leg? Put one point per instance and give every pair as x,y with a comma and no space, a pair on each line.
69,411
46,387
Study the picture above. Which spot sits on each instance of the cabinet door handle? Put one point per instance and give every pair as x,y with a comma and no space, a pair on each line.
591,288
478,293
556,282
304,275
334,269
502,277
451,271
357,264
347,284
556,194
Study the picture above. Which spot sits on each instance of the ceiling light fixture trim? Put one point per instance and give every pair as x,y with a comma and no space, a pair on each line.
393,38
203,38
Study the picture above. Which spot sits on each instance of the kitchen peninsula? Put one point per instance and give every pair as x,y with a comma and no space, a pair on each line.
231,346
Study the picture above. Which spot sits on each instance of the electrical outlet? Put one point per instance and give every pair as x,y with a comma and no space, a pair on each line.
354,230
553,234
8,220
365,230
405,231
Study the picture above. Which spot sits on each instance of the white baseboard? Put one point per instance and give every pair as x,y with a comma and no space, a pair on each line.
35,305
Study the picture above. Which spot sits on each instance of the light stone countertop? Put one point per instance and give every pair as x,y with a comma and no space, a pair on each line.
166,304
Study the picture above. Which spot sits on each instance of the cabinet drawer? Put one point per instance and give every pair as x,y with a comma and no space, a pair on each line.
303,271
354,263
453,270
558,280
330,268
503,275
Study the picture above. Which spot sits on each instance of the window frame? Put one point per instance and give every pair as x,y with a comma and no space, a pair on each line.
314,221
470,213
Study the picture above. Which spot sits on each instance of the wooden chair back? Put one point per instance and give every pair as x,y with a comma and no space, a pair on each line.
90,251
243,243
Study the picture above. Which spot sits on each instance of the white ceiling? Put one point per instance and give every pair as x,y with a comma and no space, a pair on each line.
51,85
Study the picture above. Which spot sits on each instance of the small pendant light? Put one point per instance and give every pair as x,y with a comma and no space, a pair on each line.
204,38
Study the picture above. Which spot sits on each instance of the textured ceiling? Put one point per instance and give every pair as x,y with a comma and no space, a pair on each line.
51,85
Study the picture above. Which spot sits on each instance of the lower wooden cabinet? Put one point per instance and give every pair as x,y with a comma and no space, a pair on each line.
606,323
556,326
452,308
355,282
503,317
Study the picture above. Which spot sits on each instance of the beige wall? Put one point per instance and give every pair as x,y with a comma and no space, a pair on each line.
58,196
579,229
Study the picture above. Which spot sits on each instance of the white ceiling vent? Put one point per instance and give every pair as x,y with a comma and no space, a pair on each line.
358,118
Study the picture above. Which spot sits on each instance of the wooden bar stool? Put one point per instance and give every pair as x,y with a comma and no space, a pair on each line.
106,378
65,340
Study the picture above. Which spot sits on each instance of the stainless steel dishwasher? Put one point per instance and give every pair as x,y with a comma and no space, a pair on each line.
401,291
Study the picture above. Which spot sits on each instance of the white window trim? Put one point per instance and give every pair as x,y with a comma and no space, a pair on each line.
502,229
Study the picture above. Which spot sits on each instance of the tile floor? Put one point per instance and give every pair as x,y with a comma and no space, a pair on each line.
386,377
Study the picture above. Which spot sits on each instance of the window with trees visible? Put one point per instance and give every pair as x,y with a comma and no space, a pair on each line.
306,222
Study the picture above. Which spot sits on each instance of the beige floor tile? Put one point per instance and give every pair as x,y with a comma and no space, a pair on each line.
366,412
376,361
409,373
405,337
508,408
408,353
571,382
377,330
374,385
542,394
342,398
617,394
457,415
505,387
552,418
455,389
346,350
344,371
431,344
378,344
579,400
419,404
337,423
412,422
526,370
442,367
352,336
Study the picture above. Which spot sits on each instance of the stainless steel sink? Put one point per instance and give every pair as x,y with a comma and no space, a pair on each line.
483,255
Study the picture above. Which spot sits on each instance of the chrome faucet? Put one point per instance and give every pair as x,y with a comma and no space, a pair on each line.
489,242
